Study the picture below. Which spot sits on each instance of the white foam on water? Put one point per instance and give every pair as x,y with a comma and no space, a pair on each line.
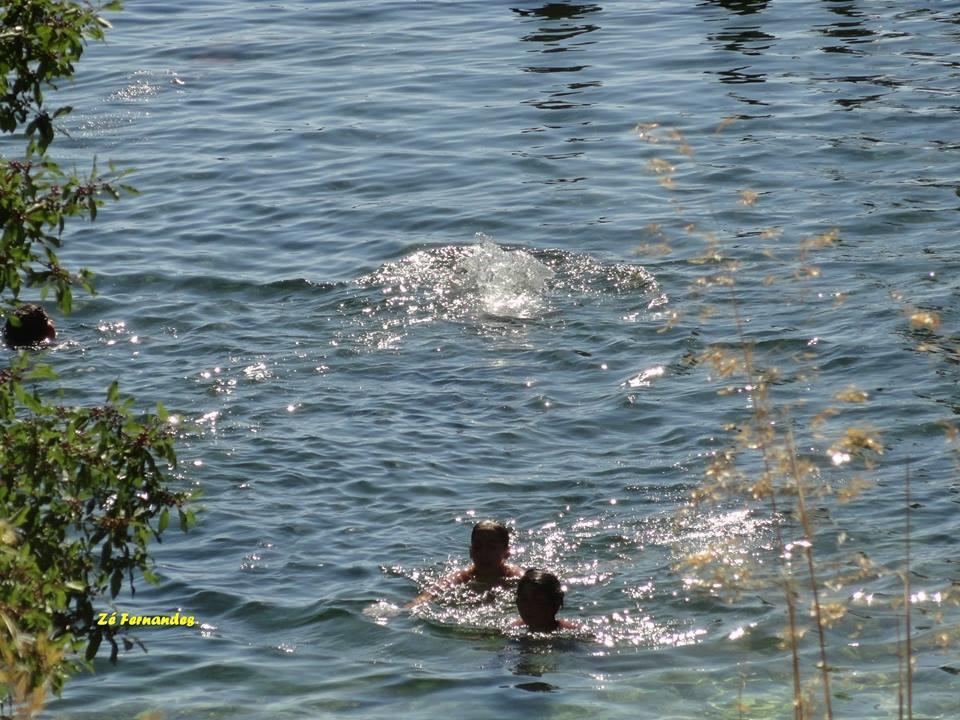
491,287
504,283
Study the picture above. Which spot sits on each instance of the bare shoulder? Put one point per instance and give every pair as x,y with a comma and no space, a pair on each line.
514,571
460,577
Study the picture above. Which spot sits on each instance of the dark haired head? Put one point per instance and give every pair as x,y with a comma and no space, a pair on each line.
28,325
492,526
535,580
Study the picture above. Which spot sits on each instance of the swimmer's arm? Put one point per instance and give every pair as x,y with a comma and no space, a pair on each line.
561,624
423,597
458,578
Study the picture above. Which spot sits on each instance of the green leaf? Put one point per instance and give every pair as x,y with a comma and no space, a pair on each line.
41,372
95,638
45,126
164,520
113,394
116,580
28,399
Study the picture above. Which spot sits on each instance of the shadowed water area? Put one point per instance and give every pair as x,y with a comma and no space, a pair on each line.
399,266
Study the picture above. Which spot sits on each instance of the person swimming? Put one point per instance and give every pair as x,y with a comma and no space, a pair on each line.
489,550
539,598
28,326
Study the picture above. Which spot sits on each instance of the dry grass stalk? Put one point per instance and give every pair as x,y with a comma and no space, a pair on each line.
906,596
798,477
784,473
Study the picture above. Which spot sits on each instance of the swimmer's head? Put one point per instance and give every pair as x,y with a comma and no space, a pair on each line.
539,598
489,543
28,325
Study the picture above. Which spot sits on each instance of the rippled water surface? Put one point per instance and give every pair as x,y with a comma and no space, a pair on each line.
403,265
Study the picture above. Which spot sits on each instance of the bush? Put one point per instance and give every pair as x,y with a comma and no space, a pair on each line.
83,490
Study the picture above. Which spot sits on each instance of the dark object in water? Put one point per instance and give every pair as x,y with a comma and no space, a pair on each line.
536,687
33,327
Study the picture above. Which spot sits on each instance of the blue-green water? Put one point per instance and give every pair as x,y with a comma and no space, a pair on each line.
302,281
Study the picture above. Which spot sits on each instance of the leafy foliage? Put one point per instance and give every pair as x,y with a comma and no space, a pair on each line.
40,40
83,490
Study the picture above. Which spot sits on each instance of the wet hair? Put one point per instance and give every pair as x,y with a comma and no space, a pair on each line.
502,531
34,327
545,582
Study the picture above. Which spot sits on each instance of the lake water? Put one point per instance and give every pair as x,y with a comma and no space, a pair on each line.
404,265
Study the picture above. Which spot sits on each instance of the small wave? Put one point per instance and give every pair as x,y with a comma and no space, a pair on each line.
381,611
